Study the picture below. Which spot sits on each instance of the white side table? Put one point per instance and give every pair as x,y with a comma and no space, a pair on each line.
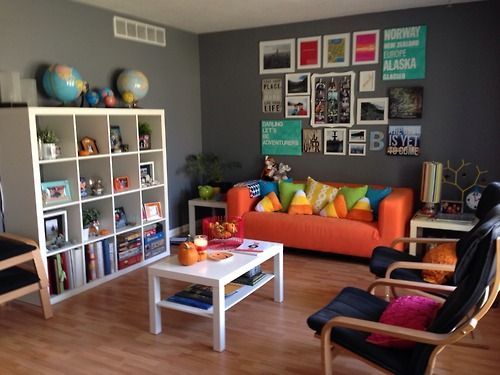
419,222
193,203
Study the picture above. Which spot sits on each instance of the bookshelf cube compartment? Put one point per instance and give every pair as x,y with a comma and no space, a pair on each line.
65,131
92,170
153,162
53,175
127,126
153,197
106,219
95,127
127,212
154,238
125,168
129,248
156,126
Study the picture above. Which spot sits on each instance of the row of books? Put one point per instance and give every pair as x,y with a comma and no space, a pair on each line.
129,249
200,296
99,259
65,271
154,241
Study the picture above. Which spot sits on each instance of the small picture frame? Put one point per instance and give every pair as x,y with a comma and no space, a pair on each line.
367,81
120,218
56,192
357,149
451,207
298,84
89,146
56,228
277,56
115,138
335,141
312,141
147,170
120,183
405,102
297,107
357,135
152,211
309,52
336,50
365,47
372,111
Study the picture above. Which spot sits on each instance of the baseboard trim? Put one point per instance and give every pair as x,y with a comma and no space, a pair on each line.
179,230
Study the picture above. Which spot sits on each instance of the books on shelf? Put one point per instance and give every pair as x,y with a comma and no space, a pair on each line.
154,241
99,259
249,280
129,246
65,271
200,296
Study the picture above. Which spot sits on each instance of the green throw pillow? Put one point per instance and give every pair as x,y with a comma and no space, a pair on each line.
287,191
353,194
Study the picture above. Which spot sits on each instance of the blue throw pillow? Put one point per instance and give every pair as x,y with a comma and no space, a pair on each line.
267,186
375,196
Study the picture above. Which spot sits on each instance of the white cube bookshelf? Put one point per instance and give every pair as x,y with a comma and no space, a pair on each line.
22,174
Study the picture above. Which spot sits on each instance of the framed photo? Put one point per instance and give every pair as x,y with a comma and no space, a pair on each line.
356,135
56,192
147,172
406,102
309,52
365,47
451,207
120,218
152,211
372,111
403,140
335,141
272,95
298,84
312,141
277,56
336,50
367,81
357,149
115,138
89,146
56,227
120,183
297,106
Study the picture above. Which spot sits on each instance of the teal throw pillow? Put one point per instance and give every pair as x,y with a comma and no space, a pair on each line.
287,191
353,194
268,186
375,196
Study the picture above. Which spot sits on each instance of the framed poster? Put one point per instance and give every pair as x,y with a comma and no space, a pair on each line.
335,141
312,141
297,106
367,81
271,95
372,111
404,53
277,56
281,137
357,149
332,100
336,50
406,102
357,135
297,84
309,52
403,140
365,47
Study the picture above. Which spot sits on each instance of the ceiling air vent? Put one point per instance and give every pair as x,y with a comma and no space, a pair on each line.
140,32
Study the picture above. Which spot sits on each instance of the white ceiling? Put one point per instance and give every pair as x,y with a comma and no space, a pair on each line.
205,16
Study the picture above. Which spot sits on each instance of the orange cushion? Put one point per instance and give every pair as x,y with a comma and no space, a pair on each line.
269,203
337,208
441,254
300,205
361,211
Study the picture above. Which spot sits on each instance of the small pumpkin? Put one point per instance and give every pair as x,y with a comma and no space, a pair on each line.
187,254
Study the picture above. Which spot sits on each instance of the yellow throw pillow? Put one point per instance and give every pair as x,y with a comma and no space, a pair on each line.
269,203
337,208
441,254
300,205
361,211
319,194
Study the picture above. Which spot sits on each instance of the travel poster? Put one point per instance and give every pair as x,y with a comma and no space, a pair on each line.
403,140
281,137
271,95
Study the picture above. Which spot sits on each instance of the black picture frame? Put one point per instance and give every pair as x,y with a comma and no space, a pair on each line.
120,218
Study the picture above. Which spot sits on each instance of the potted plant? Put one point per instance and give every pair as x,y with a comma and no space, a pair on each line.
145,132
47,139
90,218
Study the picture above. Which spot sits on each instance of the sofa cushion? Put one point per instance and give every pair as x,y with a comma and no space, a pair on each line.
300,205
287,191
375,196
337,208
361,211
267,186
319,194
269,203
353,194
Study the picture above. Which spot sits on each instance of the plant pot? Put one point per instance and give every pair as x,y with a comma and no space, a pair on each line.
145,142
49,151
85,234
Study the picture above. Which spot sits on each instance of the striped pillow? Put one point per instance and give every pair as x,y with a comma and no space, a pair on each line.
319,194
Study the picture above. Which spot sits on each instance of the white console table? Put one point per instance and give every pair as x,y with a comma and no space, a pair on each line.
193,203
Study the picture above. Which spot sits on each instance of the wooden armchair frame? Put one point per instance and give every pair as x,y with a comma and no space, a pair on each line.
439,340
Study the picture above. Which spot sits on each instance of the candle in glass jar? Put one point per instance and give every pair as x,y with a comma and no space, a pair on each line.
201,242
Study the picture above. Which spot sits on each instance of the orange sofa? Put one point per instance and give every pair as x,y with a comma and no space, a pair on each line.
313,232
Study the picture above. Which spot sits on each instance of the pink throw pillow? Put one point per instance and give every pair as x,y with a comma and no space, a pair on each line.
414,312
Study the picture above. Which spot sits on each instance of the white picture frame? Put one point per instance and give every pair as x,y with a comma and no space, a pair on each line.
357,135
357,149
372,111
147,169
55,223
367,81
336,50
297,84
273,60
334,141
313,50
363,52
297,107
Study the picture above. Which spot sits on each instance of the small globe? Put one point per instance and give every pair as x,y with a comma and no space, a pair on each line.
63,83
134,82
92,98
105,92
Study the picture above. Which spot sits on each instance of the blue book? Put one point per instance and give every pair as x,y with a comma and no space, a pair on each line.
105,257
189,302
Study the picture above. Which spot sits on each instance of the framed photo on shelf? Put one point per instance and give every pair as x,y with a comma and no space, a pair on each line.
309,52
451,207
152,211
298,84
372,111
365,47
56,192
357,149
297,106
120,183
277,56
115,138
336,50
120,218
56,227
357,135
147,170
89,146
335,141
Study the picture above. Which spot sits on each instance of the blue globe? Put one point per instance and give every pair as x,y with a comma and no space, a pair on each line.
92,98
132,82
63,83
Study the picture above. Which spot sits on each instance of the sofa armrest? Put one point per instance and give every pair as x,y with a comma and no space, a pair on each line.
239,201
395,212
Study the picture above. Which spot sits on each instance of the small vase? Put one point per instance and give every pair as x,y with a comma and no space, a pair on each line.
49,151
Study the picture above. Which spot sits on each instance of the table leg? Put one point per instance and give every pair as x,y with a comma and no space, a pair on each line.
154,309
413,234
219,319
278,277
192,219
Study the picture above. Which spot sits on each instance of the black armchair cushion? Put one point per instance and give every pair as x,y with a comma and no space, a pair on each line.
14,278
10,248
383,257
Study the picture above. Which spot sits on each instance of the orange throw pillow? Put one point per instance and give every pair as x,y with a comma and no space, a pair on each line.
337,208
441,254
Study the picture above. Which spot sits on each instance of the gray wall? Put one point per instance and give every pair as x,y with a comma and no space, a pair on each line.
461,95
34,34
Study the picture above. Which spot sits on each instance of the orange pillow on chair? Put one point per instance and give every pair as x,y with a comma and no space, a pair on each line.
441,254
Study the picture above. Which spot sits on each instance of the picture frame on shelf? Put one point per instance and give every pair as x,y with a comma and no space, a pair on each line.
357,149
56,228
120,218
297,84
365,46
334,141
152,211
336,50
115,138
372,111
121,183
89,146
277,56
309,52
357,135
55,192
297,107
451,207
147,171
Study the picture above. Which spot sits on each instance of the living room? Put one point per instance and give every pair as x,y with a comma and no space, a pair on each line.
210,88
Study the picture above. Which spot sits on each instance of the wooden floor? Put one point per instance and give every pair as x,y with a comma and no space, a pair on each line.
105,330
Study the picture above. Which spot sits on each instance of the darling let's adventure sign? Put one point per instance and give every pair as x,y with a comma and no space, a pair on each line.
281,137
404,53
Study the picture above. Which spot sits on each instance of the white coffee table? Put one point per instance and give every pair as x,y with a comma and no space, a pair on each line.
216,275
